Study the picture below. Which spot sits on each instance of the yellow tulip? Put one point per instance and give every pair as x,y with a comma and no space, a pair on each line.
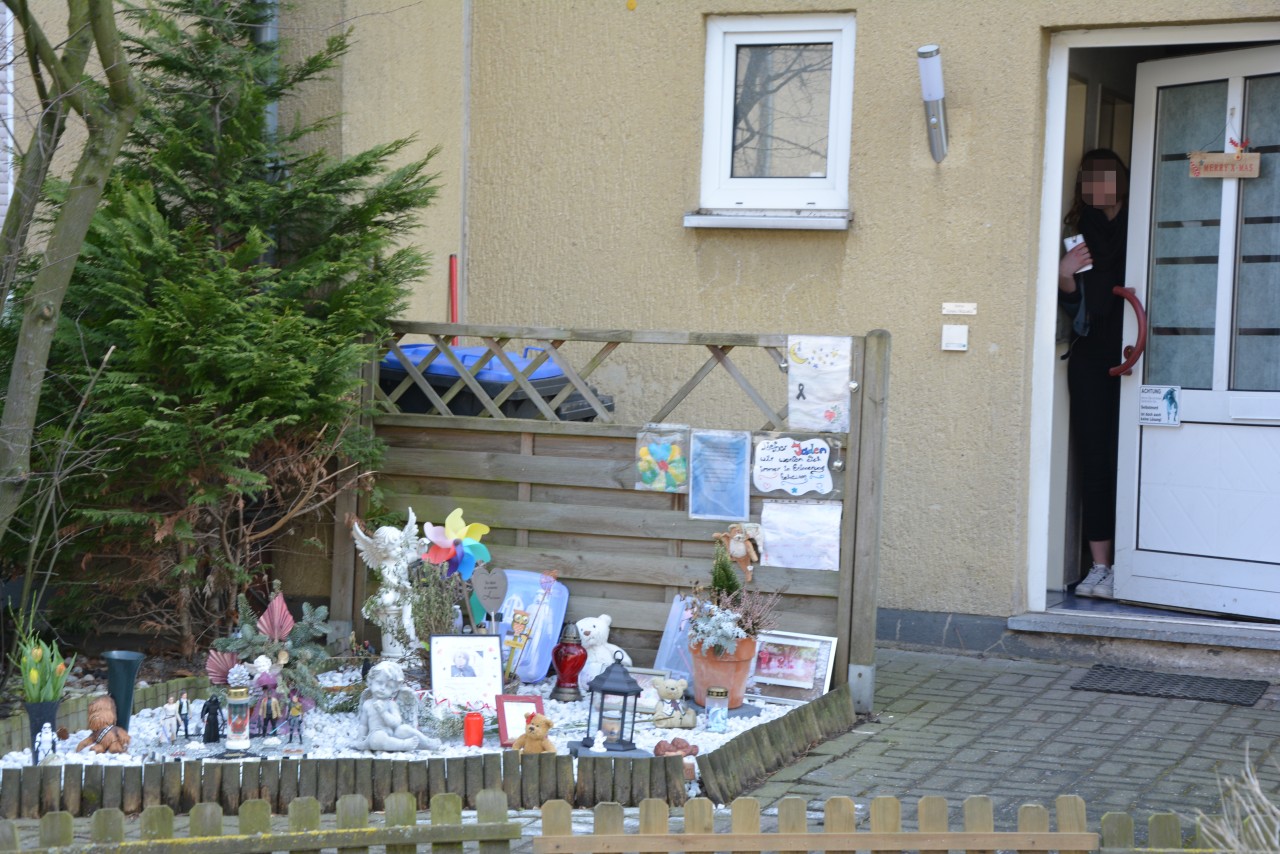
34,676
37,654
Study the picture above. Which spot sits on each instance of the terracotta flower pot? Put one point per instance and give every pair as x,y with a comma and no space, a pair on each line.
729,670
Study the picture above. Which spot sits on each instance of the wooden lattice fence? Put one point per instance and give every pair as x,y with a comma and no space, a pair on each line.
559,492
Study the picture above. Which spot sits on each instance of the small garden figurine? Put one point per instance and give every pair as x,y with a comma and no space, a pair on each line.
211,720
184,714
46,745
169,720
269,706
295,716
672,712
104,736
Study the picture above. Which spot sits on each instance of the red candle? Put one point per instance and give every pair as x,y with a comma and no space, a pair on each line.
473,729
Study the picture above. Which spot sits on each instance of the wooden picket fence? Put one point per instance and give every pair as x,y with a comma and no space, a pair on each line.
401,831
528,781
840,832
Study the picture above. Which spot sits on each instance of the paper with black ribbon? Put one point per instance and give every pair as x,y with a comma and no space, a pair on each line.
818,382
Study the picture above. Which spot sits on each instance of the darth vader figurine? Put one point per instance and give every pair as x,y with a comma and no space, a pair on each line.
211,715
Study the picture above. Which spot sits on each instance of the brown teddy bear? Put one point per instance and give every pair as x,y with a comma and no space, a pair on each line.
104,735
534,739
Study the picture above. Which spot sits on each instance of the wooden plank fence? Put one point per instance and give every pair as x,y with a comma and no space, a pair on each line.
560,494
528,781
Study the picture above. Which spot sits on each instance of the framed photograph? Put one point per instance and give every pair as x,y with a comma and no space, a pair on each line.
792,666
648,699
466,670
512,709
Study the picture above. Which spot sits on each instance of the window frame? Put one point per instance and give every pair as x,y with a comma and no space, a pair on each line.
722,195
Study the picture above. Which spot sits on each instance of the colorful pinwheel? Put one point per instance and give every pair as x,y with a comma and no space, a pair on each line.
457,544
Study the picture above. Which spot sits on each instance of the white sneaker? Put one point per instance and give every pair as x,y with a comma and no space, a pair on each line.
1098,583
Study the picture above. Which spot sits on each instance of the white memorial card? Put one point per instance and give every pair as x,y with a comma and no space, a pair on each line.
818,382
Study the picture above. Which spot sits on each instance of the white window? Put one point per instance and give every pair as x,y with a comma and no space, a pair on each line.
775,138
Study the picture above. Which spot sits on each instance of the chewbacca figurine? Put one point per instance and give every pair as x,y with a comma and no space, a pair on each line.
104,735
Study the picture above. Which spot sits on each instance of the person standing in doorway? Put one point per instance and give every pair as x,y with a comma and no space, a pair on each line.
1086,276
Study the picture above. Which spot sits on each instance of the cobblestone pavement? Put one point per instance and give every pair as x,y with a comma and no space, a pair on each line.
1014,731
1017,732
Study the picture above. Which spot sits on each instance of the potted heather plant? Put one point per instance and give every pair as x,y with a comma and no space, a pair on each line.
725,621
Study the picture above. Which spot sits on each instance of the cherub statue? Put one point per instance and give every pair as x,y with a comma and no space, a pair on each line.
391,551
742,551
382,722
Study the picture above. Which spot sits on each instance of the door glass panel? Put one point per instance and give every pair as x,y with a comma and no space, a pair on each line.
1183,272
782,111
1256,327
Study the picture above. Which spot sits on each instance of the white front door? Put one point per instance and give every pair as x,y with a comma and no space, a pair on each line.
1198,511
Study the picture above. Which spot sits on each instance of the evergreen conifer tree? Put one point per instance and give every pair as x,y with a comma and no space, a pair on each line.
240,278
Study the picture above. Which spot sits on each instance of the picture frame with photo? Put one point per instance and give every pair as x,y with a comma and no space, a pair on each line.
648,700
791,666
466,670
512,709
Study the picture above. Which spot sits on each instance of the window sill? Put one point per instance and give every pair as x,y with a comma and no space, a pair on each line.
799,220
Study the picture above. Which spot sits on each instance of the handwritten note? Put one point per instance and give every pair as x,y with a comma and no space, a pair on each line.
793,465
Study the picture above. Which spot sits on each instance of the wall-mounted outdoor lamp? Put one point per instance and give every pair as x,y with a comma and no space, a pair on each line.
935,102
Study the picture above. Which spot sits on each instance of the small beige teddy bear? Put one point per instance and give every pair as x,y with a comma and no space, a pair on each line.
672,712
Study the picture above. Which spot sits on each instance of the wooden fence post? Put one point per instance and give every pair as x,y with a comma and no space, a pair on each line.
156,823
655,817
792,818
839,815
353,813
304,814
557,819
56,829
1164,830
446,810
107,826
1117,830
8,836
255,817
402,811
607,819
205,820
491,808
699,816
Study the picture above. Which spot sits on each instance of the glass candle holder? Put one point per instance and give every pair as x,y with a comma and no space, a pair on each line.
717,709
238,718
611,726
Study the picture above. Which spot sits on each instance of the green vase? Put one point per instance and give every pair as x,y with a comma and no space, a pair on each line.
122,675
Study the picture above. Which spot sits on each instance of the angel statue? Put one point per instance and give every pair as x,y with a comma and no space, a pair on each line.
391,552
382,716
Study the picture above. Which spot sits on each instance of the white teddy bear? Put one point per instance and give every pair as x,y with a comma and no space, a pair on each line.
594,632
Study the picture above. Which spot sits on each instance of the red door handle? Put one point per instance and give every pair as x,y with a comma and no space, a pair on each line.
1131,352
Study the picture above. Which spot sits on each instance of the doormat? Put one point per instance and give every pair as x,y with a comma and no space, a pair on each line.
1147,683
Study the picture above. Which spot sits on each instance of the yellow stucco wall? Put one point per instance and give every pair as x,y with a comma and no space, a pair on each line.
585,138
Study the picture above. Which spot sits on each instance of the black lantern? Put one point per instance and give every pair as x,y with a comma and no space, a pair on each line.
613,707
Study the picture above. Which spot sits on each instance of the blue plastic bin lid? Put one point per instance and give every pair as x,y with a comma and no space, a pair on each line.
492,372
